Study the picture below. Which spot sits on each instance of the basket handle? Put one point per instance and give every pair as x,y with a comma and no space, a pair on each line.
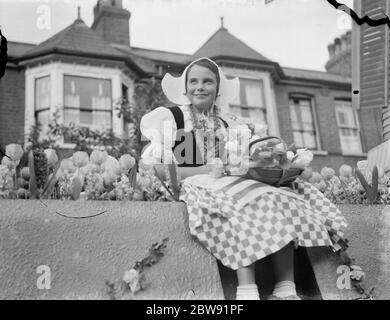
264,139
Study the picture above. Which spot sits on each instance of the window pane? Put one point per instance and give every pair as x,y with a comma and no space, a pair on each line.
101,120
345,113
86,117
302,120
298,139
43,120
294,118
309,139
307,118
42,93
71,115
349,133
93,99
254,93
245,112
258,114
236,110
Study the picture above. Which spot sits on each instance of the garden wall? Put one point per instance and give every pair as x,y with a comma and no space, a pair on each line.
369,240
83,253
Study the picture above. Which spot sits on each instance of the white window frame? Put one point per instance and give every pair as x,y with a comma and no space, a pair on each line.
269,95
341,126
263,107
56,71
86,125
315,120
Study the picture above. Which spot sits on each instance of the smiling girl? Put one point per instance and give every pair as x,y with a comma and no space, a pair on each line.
240,221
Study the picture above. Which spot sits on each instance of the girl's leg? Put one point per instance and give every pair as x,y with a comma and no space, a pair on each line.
247,288
246,275
283,263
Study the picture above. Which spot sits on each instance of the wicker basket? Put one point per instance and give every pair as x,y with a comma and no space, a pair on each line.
273,176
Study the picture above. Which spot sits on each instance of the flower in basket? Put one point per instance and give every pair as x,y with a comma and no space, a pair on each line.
259,130
126,162
306,174
302,159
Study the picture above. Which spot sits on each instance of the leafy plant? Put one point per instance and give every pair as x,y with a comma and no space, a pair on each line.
134,279
371,190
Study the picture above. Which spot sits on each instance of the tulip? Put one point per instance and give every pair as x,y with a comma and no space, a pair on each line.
10,164
290,155
80,159
126,162
14,151
345,171
303,158
381,172
307,173
321,185
316,177
80,175
25,173
327,173
112,165
98,157
67,165
109,178
51,156
90,168
362,166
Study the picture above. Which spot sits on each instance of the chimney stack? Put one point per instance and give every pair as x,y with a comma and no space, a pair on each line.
111,21
340,55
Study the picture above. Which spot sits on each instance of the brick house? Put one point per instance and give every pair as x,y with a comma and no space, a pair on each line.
83,70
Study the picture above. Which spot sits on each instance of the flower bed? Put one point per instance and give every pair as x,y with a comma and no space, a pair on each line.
97,176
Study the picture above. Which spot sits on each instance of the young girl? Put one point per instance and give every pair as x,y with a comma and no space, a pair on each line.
238,220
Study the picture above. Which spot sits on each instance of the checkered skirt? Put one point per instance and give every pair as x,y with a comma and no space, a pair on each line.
241,221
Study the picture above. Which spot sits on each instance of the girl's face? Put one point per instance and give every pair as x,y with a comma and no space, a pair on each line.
201,87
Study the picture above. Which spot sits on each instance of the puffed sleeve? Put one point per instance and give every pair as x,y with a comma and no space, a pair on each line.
159,127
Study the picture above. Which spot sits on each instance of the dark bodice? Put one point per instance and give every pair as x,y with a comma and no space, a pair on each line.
186,150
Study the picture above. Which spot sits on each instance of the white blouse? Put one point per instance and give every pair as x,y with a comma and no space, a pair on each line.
159,127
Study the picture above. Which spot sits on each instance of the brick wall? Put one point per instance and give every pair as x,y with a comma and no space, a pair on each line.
326,119
112,24
12,104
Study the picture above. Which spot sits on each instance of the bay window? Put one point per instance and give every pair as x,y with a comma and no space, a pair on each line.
88,102
42,104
